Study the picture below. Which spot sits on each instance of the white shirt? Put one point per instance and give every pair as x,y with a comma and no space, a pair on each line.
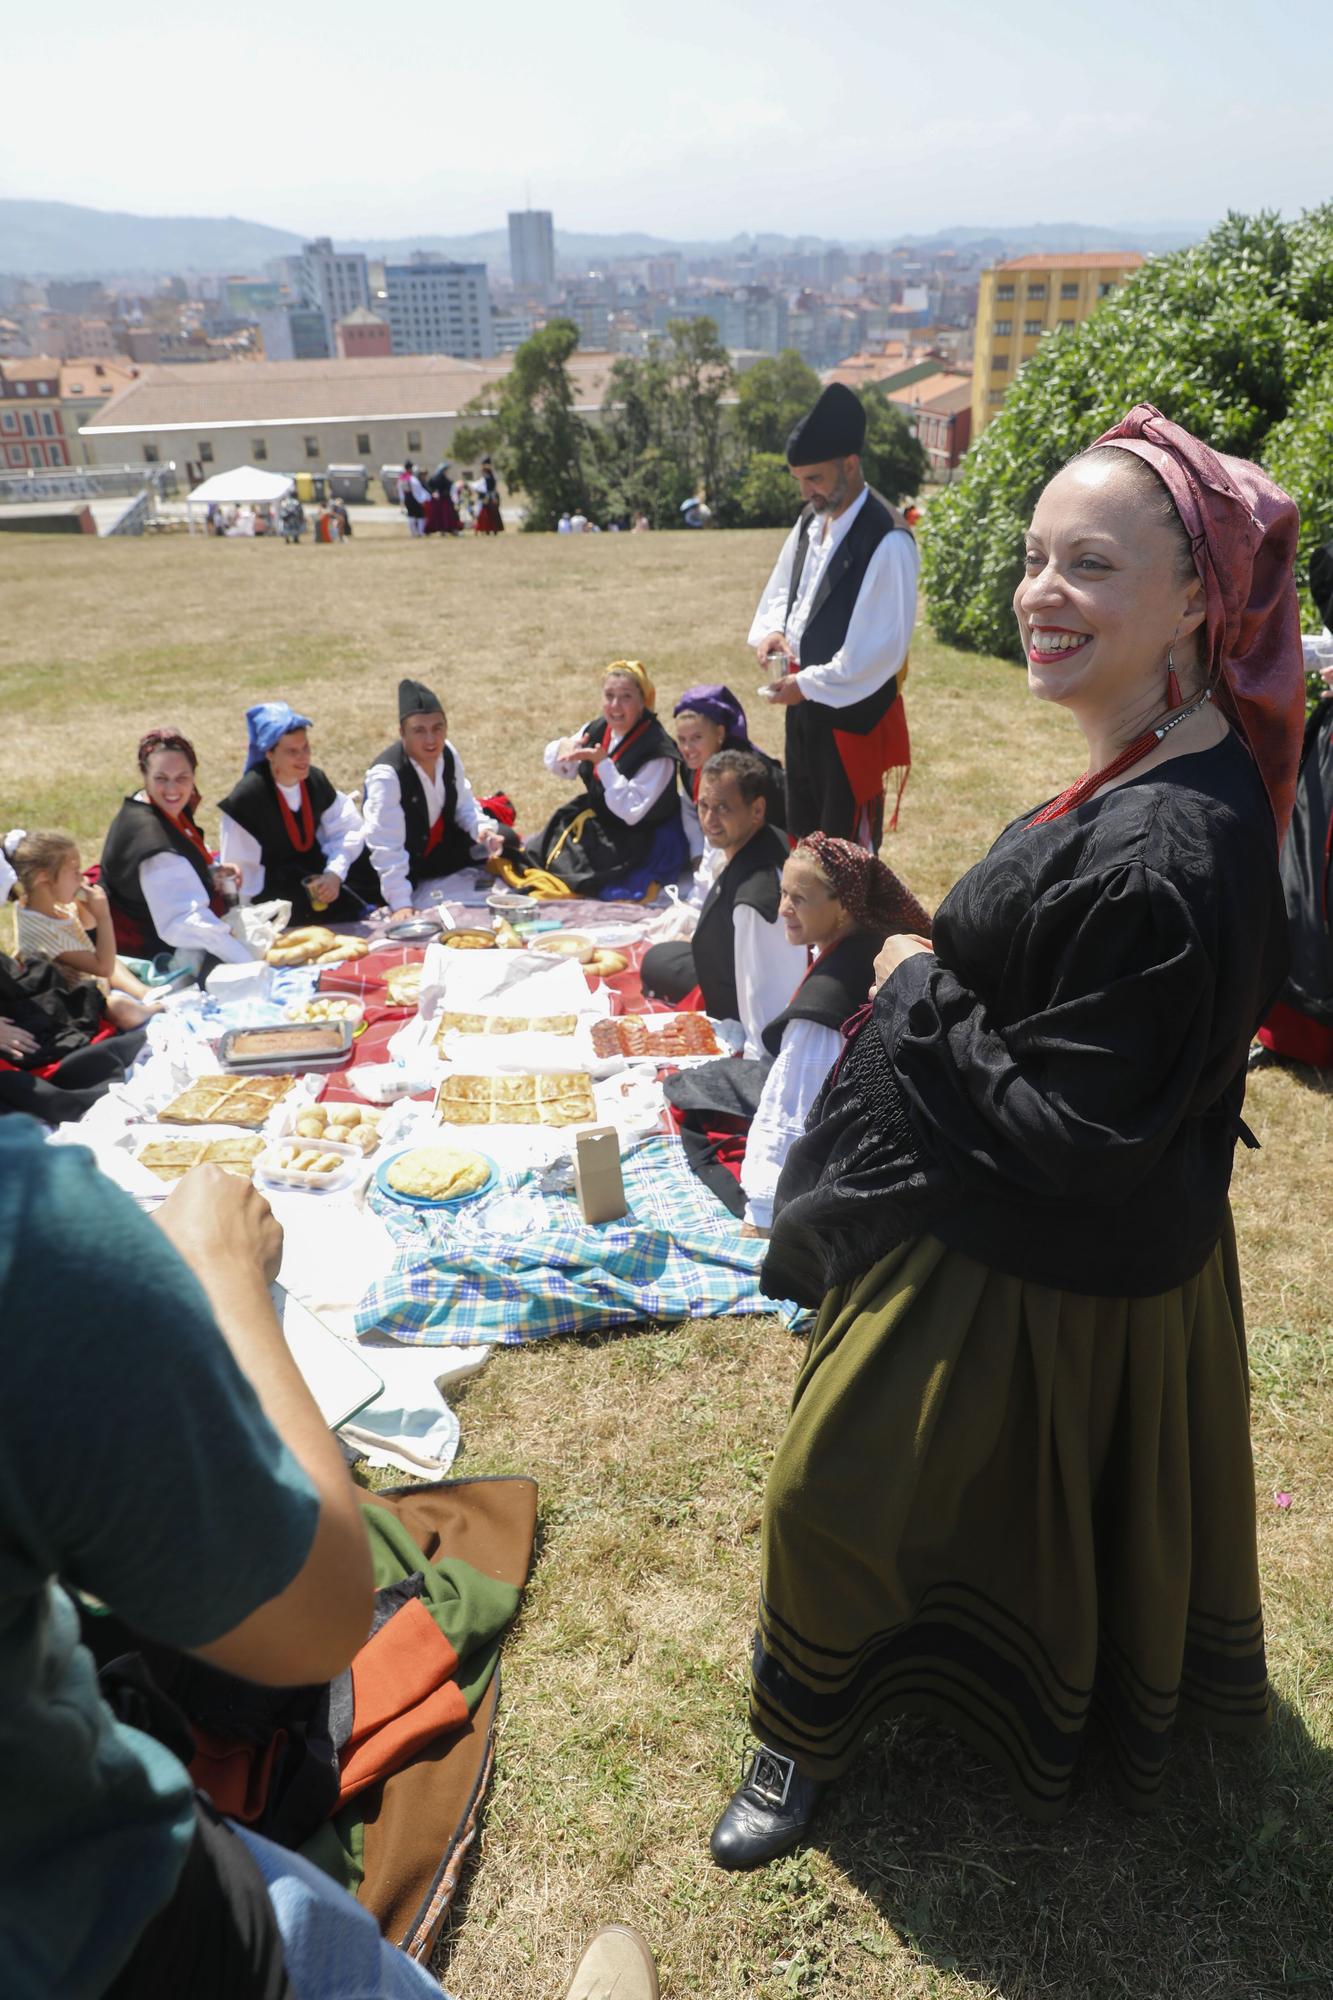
178,906
386,826
409,483
628,798
340,834
768,972
880,629
809,1051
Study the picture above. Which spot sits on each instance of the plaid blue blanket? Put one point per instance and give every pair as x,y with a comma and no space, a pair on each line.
517,1264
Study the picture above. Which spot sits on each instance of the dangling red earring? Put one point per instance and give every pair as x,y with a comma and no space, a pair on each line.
1172,684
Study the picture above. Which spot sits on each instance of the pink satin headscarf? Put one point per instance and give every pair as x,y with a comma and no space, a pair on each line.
1244,530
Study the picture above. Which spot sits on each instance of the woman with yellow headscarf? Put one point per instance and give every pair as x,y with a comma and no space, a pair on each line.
622,835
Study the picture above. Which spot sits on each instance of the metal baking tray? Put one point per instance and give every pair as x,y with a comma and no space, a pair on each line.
302,1045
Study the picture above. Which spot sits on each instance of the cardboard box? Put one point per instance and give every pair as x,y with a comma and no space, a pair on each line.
598,1181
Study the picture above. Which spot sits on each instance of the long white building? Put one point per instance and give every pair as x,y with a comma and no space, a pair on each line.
299,416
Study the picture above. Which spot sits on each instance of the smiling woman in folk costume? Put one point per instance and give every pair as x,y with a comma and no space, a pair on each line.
708,719
167,894
623,834
421,817
1017,1472
284,823
834,625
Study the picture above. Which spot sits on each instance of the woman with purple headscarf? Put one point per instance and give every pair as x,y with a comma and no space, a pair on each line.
1017,1480
709,719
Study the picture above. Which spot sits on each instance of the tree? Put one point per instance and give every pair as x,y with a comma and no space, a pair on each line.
539,442
892,458
766,495
1231,338
662,437
773,396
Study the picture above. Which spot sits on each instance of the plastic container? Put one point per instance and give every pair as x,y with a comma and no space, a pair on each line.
273,1165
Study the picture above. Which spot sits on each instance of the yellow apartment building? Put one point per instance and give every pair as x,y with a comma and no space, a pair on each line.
1022,301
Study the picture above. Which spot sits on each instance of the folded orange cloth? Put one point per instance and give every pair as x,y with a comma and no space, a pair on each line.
403,1695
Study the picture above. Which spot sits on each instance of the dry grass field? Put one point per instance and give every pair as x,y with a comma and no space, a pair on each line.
622,1719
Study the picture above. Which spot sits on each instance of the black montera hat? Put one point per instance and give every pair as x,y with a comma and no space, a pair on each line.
835,428
414,698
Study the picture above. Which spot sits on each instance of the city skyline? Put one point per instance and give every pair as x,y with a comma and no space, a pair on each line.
698,127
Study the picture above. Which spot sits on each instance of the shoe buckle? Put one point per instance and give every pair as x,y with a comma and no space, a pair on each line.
770,1776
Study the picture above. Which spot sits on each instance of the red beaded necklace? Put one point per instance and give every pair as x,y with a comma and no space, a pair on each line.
1092,781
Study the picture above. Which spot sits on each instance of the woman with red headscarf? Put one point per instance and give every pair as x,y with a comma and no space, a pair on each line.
1017,1474
167,893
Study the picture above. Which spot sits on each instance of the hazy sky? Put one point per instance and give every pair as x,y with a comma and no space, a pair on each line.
856,119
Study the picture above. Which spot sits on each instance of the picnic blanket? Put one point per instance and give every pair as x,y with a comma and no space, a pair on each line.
521,1264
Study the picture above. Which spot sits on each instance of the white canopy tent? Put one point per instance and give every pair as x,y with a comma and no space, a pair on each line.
247,486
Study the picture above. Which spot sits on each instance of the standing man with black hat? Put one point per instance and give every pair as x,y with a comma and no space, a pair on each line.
834,624
420,813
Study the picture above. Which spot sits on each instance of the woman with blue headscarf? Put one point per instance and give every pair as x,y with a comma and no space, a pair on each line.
289,831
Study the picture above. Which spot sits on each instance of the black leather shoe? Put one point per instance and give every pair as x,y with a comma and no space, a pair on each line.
770,1813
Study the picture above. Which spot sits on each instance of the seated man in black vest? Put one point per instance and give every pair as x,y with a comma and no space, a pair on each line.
739,957
833,627
421,815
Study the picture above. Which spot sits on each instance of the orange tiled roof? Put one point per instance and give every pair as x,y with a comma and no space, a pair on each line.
1077,260
949,390
95,377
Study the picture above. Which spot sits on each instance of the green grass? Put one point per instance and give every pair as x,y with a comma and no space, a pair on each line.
622,1719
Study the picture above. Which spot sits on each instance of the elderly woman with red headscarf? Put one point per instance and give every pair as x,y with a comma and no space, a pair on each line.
739,1118
167,893
1016,1479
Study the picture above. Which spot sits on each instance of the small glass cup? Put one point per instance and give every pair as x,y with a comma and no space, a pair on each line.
225,887
308,884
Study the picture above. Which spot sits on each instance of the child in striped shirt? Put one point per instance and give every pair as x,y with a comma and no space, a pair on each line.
57,906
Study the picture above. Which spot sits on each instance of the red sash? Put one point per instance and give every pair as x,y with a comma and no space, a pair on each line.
301,836
216,903
435,835
631,736
868,759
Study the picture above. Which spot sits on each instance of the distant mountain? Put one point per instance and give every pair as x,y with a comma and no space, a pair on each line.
57,239
1016,239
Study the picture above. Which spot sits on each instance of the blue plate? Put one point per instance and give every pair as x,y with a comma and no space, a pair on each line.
424,1201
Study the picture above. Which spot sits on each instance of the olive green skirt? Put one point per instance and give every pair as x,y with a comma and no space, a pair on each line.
1010,1508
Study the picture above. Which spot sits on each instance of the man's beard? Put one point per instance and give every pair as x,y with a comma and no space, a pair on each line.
828,503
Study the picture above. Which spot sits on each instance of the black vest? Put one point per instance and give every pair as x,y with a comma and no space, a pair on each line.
832,990
254,805
1307,874
835,600
136,834
453,849
751,879
640,745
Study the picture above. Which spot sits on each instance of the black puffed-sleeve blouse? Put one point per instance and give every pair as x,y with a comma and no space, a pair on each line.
1056,1088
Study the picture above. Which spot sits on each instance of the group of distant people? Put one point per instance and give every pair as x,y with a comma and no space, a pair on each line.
442,505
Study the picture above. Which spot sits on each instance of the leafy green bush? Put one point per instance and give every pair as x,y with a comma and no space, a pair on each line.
1232,338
